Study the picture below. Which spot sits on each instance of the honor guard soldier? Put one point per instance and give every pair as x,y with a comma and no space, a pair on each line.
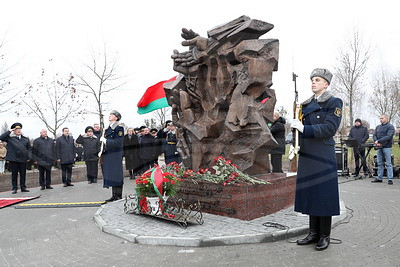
171,153
113,141
317,192
19,152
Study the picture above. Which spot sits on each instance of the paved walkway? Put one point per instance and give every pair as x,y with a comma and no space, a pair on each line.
70,237
215,231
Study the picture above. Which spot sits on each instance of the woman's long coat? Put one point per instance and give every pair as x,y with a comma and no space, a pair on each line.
131,152
317,190
112,163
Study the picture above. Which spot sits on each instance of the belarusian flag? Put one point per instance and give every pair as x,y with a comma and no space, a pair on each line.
154,98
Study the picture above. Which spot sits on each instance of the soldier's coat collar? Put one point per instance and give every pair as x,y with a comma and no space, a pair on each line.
114,125
323,98
12,134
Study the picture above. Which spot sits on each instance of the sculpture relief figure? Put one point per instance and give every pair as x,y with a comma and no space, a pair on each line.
222,100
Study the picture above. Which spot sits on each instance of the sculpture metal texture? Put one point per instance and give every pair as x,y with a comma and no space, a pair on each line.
222,100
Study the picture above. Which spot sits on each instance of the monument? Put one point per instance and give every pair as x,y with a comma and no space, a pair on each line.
222,100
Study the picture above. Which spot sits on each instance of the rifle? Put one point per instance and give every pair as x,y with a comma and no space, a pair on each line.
294,148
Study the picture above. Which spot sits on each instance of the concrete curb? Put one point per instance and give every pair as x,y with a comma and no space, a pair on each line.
204,241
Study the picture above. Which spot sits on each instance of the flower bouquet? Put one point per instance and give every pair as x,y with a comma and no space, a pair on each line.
223,171
154,187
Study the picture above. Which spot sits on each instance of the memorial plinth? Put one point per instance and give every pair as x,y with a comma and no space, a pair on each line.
241,201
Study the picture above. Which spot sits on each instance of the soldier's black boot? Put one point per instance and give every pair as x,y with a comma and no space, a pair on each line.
118,192
111,199
313,235
325,236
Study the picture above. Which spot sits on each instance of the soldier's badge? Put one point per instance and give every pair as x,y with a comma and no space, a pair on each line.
120,133
338,112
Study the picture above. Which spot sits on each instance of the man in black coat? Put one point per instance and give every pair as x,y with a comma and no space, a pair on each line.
91,149
96,130
19,152
131,153
65,148
158,145
147,149
162,135
278,132
43,152
360,133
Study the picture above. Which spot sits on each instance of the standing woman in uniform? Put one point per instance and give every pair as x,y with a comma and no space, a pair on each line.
113,140
317,192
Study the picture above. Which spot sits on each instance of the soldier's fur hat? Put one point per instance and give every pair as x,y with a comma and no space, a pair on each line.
323,73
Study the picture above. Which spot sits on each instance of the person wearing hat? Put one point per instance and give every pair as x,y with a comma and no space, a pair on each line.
383,140
113,143
317,193
360,133
171,152
131,153
147,150
44,156
91,149
19,152
66,153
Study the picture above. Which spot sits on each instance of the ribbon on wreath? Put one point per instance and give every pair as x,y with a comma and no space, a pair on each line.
157,181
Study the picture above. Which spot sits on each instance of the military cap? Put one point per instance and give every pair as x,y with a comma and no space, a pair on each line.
89,128
154,130
167,122
323,73
117,114
16,125
142,128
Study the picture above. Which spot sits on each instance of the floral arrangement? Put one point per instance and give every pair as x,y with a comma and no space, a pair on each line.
223,171
145,186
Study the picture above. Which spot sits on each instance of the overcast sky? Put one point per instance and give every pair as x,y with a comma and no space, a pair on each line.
143,34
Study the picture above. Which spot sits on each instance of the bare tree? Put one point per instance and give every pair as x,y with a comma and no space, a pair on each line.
53,102
150,123
351,65
161,115
8,92
385,97
99,80
4,127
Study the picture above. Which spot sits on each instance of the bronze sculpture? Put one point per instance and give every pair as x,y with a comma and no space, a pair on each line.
222,101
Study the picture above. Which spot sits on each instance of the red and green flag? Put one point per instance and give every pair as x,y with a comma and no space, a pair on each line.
154,98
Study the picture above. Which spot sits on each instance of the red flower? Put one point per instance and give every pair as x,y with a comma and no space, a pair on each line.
219,158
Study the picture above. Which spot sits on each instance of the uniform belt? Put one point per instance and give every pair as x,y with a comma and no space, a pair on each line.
171,143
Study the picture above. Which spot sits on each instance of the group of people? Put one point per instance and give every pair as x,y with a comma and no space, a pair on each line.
383,141
143,146
140,147
317,193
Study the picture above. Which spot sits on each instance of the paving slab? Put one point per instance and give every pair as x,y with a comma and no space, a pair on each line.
215,231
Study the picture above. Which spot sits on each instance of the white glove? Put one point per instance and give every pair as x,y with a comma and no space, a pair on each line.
296,124
103,139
